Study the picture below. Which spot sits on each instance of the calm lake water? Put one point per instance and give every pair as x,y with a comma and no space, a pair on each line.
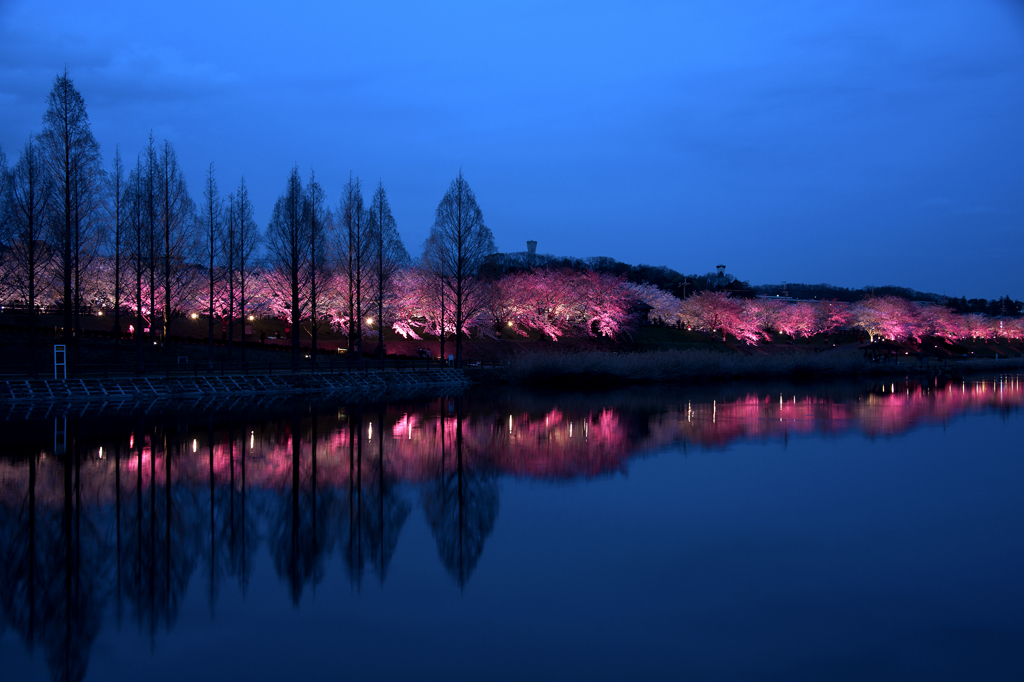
850,531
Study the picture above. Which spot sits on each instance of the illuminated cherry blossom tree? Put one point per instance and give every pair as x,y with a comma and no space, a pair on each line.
888,317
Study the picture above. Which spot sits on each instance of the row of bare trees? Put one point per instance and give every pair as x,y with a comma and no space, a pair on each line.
338,267
74,236
66,224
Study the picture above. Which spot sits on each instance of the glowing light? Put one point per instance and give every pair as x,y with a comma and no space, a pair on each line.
194,316
252,317
195,444
252,440
369,320
131,440
510,323
369,433
101,452
99,314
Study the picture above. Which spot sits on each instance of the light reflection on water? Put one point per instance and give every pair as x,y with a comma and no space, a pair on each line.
120,513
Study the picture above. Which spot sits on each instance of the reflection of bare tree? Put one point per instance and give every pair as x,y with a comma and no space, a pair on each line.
55,571
242,523
233,528
20,558
376,511
391,511
215,549
461,507
161,532
300,533
355,537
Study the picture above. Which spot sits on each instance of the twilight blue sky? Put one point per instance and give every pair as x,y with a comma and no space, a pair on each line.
854,142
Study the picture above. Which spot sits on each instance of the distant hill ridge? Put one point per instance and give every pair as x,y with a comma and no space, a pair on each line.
681,285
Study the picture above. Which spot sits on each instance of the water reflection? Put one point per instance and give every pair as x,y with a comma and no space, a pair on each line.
118,514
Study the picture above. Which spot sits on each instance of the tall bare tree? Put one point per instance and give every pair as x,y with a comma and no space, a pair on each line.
288,251
138,248
87,244
72,157
387,257
462,242
27,203
5,181
119,196
150,193
212,244
247,238
318,223
6,277
229,252
353,247
178,235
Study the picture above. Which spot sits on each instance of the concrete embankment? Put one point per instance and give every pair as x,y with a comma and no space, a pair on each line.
117,389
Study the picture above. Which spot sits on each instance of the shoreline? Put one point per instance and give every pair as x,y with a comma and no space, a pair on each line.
581,370
590,369
117,391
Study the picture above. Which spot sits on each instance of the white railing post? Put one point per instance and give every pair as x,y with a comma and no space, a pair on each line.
60,364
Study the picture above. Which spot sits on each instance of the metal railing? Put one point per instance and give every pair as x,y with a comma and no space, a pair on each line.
172,368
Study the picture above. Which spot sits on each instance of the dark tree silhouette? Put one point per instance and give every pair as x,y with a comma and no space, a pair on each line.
299,534
55,572
151,191
246,238
460,243
212,244
461,506
288,251
353,247
73,158
138,249
388,511
178,235
27,203
387,257
242,521
118,200
4,181
162,539
374,511
353,545
318,224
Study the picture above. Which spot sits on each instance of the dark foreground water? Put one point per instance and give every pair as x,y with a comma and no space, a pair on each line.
814,532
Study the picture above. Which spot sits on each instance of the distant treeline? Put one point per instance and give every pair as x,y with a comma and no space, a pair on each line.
681,286
994,307
665,278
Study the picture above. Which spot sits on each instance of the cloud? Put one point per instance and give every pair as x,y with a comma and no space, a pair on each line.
117,72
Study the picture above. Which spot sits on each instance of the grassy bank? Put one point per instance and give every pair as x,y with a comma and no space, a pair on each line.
595,368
